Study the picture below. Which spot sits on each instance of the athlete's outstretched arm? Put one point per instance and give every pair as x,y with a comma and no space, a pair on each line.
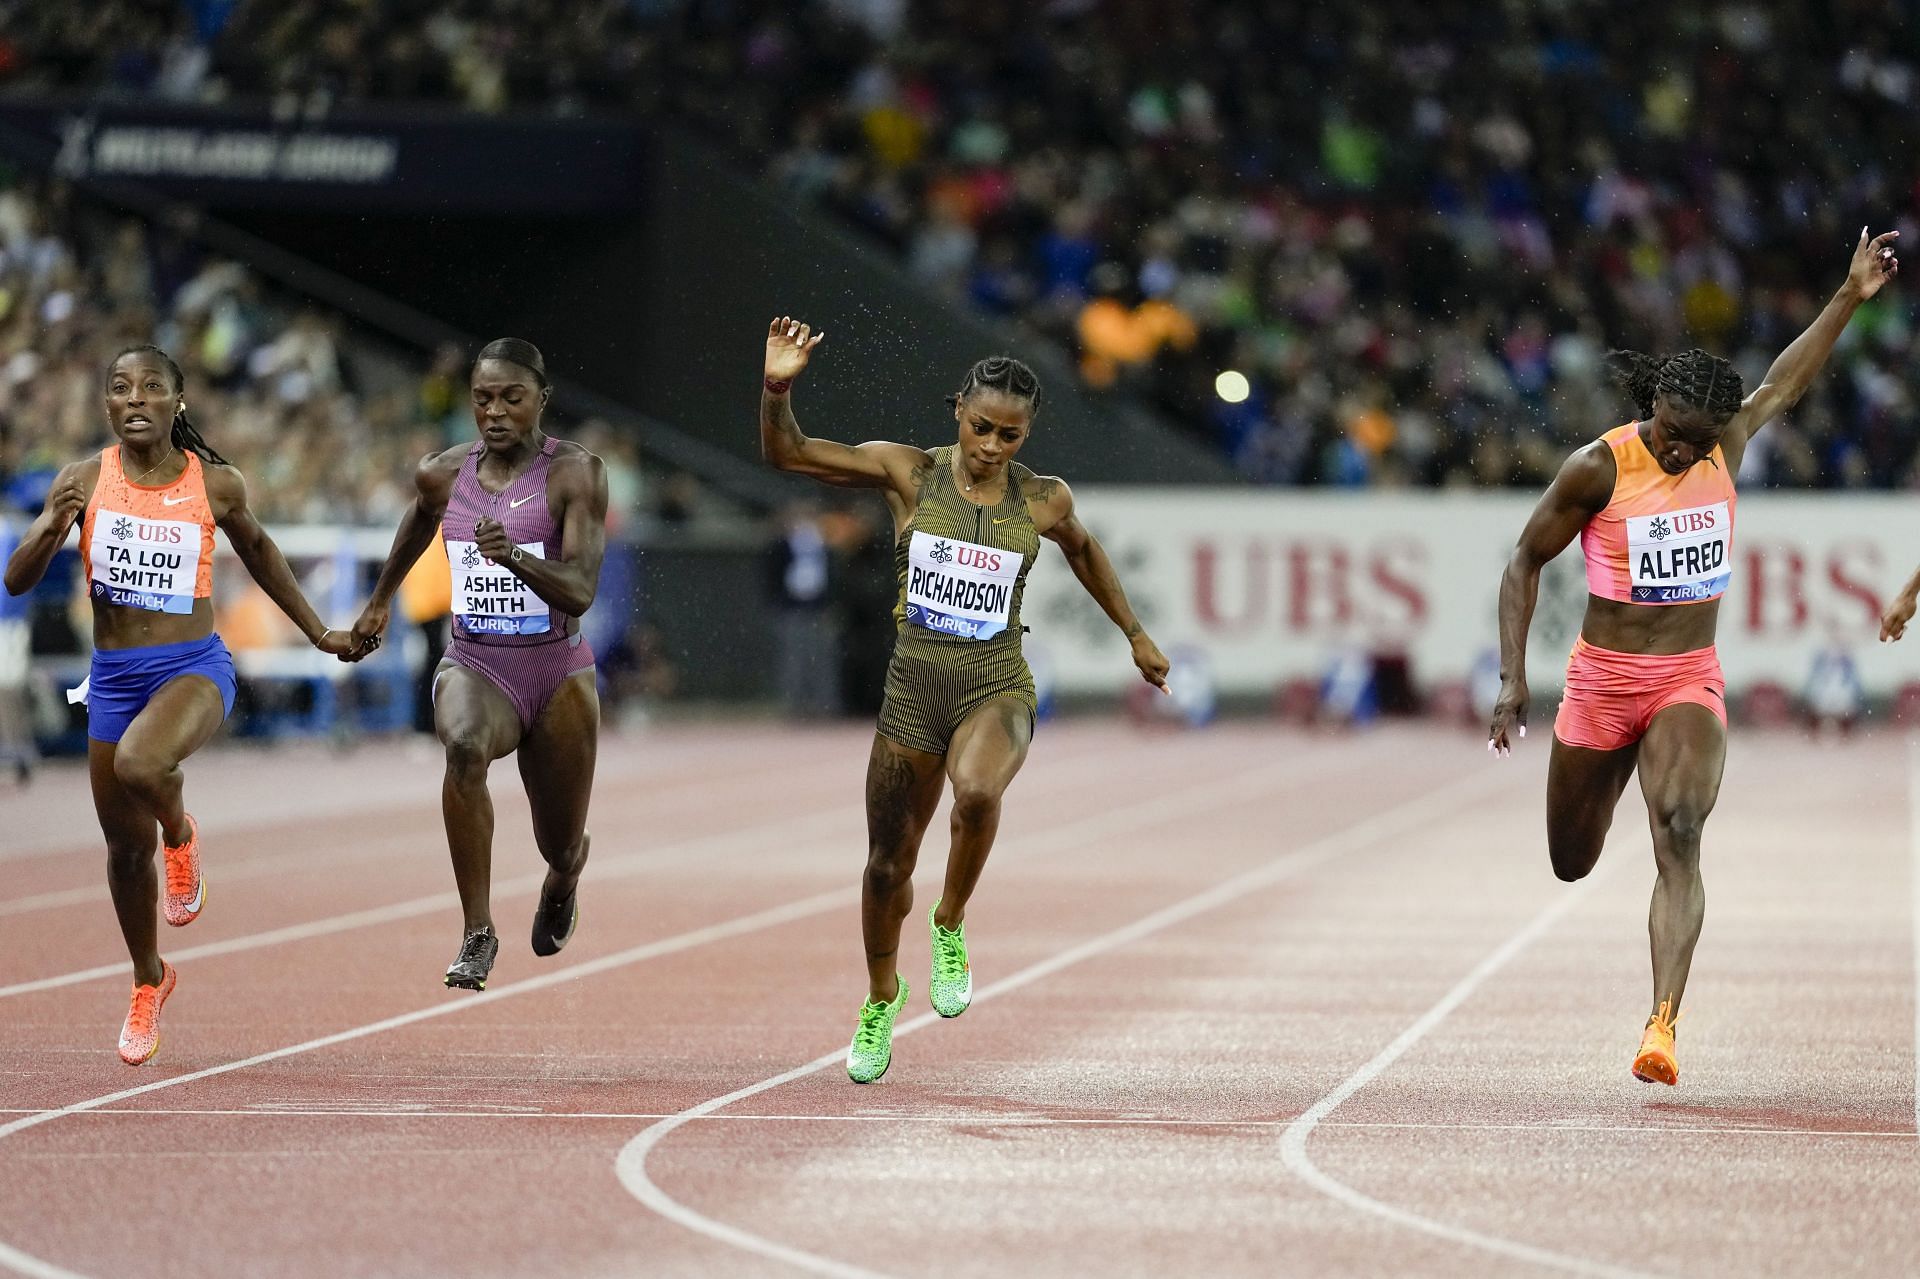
1579,492
875,465
66,503
569,582
1893,623
227,494
433,486
1793,372
1058,523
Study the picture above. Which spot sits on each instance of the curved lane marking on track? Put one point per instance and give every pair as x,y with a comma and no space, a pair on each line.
1412,815
1293,1142
960,1120
1126,819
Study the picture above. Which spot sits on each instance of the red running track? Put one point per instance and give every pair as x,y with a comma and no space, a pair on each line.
1249,1002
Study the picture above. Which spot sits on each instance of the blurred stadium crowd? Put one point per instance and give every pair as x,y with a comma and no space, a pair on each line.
1413,246
327,424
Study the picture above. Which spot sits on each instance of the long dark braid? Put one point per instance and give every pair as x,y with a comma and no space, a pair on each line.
1690,380
1000,373
186,436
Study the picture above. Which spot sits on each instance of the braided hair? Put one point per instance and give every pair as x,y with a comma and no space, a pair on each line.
186,436
1000,373
516,351
1690,380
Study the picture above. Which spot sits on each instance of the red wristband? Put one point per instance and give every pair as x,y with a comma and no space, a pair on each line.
777,386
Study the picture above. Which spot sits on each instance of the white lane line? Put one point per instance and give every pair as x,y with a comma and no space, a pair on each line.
507,797
631,1165
618,866
1293,1142
970,1121
737,927
642,766
1913,832
613,866
252,868
1241,788
27,1264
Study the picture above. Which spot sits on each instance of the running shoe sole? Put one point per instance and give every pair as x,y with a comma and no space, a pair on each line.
1656,1068
484,961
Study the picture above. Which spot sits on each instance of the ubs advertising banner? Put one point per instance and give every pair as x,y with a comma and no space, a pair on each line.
235,158
1272,586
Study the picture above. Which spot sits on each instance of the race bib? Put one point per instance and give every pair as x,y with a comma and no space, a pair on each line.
1680,557
144,563
958,588
489,600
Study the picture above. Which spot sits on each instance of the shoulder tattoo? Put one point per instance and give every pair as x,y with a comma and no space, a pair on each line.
922,477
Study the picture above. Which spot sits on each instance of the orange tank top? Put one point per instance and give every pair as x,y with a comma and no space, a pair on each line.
1661,539
146,547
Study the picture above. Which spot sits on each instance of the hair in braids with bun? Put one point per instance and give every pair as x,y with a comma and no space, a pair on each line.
1690,380
1000,373
186,436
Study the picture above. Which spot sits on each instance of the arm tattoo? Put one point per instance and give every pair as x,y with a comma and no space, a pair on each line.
1136,630
776,412
922,482
1043,489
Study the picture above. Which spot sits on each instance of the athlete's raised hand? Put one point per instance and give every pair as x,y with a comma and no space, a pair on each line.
1874,263
789,345
1893,623
1509,714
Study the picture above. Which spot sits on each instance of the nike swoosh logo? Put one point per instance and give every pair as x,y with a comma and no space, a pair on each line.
175,501
514,506
1010,517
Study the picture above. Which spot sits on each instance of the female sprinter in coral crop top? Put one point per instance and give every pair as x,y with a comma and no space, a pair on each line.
161,681
1653,504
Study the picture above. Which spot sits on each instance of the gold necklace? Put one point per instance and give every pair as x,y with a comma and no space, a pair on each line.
157,465
960,472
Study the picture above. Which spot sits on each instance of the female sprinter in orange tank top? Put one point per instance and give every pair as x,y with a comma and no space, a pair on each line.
161,681
1653,503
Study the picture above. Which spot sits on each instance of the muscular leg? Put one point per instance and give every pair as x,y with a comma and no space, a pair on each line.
1681,761
556,766
903,786
987,750
136,786
477,725
1583,789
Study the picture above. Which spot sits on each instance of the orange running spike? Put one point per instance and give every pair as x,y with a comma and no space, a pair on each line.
140,1037
186,888
1656,1063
